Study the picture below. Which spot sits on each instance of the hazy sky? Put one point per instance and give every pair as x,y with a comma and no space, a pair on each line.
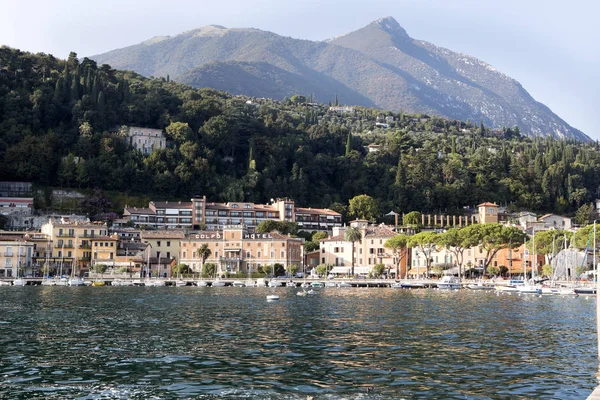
551,47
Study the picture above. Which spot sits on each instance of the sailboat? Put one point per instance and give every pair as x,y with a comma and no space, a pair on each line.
75,280
531,288
18,280
272,297
588,290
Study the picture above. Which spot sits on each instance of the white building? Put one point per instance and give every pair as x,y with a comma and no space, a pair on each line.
146,140
552,221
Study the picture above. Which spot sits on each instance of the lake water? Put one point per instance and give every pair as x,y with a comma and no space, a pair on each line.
208,343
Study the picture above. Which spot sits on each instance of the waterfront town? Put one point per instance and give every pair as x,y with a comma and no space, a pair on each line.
170,239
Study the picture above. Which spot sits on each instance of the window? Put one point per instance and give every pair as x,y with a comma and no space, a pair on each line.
168,244
184,254
111,255
168,254
158,243
247,206
234,206
258,254
323,260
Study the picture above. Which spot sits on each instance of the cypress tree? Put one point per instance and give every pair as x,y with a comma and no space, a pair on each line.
348,144
75,87
100,105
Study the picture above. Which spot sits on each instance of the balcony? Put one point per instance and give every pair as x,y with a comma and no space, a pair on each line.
230,259
84,258
67,235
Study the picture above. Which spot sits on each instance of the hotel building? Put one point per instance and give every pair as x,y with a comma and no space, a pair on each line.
214,216
236,250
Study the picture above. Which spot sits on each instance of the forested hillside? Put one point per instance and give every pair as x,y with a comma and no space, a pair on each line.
60,125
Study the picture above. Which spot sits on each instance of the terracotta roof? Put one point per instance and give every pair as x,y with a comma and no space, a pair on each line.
337,238
301,210
487,204
550,215
379,231
142,211
103,238
172,204
162,234
12,239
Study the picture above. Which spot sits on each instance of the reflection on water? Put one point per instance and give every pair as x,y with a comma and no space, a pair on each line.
92,343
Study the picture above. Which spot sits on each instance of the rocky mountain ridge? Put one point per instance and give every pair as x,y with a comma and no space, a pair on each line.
379,65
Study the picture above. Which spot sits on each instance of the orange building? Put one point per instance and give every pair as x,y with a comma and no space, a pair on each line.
516,260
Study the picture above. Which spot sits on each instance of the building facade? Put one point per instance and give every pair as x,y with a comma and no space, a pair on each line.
199,214
71,245
16,255
162,251
146,140
236,250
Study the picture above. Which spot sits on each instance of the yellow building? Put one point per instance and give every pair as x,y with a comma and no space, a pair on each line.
235,250
104,250
15,256
72,244
162,251
488,213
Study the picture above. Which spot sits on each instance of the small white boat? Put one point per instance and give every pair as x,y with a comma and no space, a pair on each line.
160,283
412,285
19,282
302,293
305,285
275,283
202,283
396,285
48,282
479,286
330,284
76,281
217,283
138,282
62,282
311,292
512,286
529,289
317,284
180,283
449,282
344,285
5,283
239,284
272,297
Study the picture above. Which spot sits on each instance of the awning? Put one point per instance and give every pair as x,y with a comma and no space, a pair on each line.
341,270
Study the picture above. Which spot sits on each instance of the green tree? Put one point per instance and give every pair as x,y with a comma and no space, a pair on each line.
585,214
426,243
321,270
494,237
291,269
398,245
412,218
209,270
547,270
378,270
494,271
203,252
457,240
353,235
363,207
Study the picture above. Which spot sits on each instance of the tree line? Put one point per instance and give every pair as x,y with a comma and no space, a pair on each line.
61,126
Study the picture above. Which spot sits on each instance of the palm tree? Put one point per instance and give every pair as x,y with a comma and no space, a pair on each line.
352,235
203,252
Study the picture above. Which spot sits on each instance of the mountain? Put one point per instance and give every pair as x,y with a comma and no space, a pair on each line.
379,65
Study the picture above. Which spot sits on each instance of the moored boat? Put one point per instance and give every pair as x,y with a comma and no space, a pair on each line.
239,284
76,281
449,282
272,297
479,286
19,282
